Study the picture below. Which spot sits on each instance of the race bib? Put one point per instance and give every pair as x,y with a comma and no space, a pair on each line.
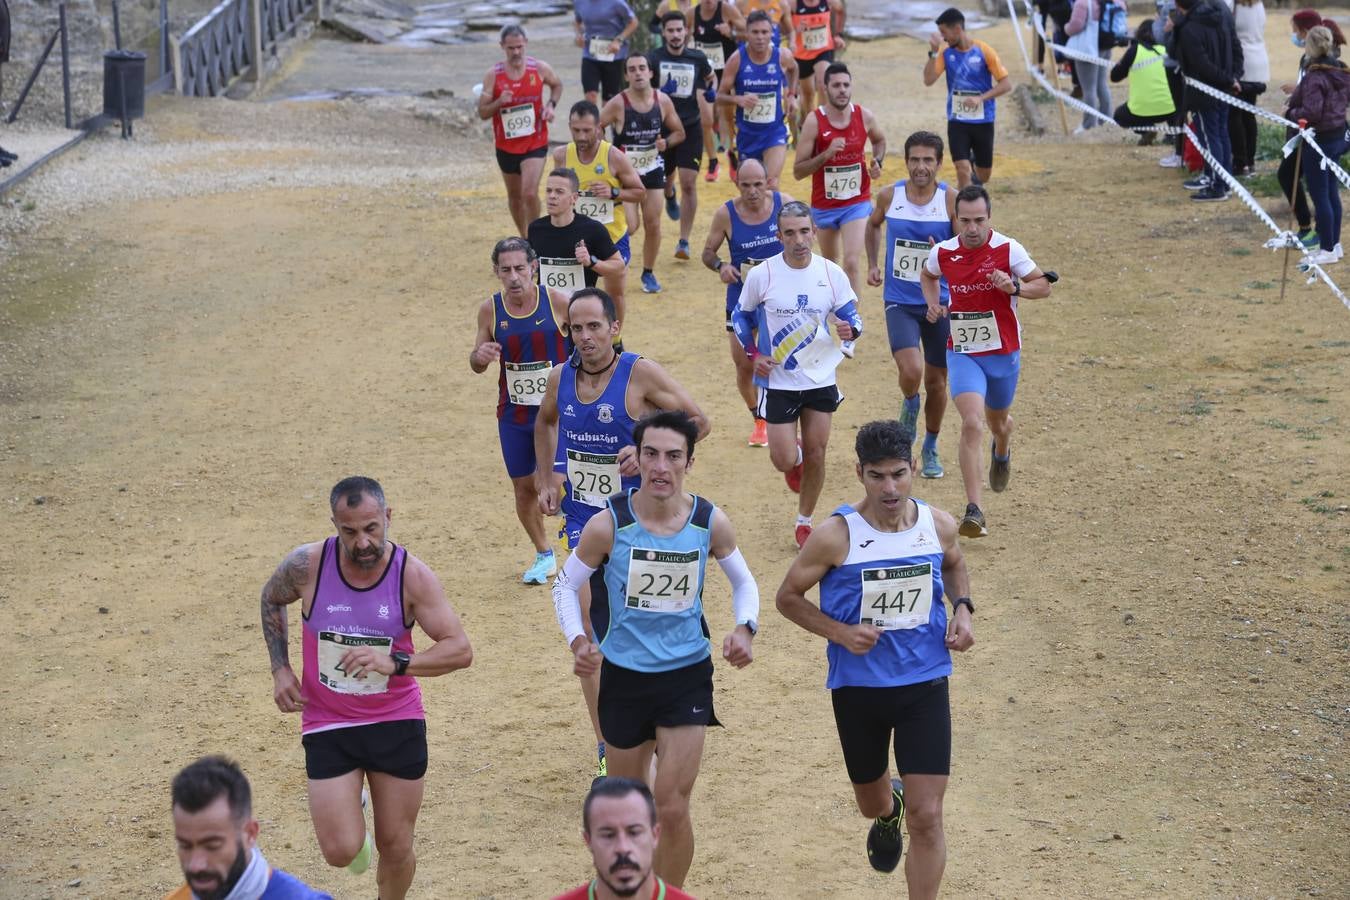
907,259
600,49
332,646
765,110
526,382
816,37
593,477
565,275
975,332
517,121
713,51
601,209
965,108
815,358
897,598
843,182
644,158
661,581
683,73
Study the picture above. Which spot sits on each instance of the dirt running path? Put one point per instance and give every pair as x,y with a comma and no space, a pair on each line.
1157,702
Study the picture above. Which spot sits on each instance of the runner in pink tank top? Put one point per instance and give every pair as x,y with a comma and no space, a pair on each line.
360,703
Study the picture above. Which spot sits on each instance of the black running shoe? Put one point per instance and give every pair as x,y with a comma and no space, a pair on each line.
972,523
1000,470
885,842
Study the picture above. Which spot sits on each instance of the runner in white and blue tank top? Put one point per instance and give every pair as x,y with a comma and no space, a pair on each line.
911,216
646,563
883,567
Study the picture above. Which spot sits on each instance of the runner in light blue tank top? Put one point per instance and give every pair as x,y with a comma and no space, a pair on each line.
651,617
645,563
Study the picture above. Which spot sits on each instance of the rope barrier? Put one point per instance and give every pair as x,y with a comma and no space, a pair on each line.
1283,238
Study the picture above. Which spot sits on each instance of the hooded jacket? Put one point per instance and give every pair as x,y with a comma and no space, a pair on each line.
1207,49
1322,96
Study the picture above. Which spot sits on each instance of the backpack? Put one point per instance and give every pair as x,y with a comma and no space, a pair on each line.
1112,28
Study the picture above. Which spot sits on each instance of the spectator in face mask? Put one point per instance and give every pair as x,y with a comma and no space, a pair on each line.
1321,98
1300,24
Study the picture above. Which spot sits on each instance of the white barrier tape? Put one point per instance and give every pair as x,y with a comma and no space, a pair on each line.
1233,184
1282,237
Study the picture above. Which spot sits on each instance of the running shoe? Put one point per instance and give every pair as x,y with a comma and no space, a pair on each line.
759,435
682,249
601,767
1198,183
885,842
1309,239
673,206
1339,252
801,534
1211,194
909,418
712,170
1320,258
999,470
649,283
972,523
545,567
932,467
1171,161
361,863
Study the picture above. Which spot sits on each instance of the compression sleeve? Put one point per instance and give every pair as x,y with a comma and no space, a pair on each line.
743,322
849,313
744,590
566,600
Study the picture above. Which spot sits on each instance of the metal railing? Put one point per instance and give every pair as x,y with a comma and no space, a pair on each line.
233,40
62,34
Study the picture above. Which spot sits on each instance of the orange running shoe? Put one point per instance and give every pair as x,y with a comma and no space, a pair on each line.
759,436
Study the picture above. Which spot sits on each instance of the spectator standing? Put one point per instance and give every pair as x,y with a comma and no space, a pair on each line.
1302,22
1321,98
1150,99
1249,16
1083,29
1207,50
6,158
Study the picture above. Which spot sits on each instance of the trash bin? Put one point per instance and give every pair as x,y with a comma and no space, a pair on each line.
124,84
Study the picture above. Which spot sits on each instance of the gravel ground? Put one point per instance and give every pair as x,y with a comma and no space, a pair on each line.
192,147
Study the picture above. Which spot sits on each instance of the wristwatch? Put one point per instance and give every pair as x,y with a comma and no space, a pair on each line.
1016,292
932,54
401,661
963,601
752,625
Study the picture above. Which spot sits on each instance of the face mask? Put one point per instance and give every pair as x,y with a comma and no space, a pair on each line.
1296,40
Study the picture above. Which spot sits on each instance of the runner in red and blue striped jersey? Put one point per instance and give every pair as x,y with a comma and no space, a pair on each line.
521,327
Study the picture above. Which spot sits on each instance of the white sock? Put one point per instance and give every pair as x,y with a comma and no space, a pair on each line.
799,454
803,520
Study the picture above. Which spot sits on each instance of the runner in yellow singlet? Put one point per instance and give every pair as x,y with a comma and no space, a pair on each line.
608,181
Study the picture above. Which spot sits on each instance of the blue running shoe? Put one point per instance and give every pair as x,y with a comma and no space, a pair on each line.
909,417
673,206
932,468
649,283
545,567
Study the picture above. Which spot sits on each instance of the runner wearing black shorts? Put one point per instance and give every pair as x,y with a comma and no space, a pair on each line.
685,75
883,567
603,28
715,26
975,79
645,558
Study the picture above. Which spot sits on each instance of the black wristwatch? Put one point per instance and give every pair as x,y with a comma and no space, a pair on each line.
613,193
402,659
1017,290
751,626
963,601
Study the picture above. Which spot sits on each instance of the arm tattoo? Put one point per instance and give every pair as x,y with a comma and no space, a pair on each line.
282,588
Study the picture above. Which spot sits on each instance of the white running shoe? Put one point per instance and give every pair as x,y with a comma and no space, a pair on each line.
1321,258
1171,161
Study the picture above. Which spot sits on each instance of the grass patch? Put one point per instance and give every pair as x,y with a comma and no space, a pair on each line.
1239,251
1277,425
28,205
1260,285
1308,434
1317,504
1198,406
